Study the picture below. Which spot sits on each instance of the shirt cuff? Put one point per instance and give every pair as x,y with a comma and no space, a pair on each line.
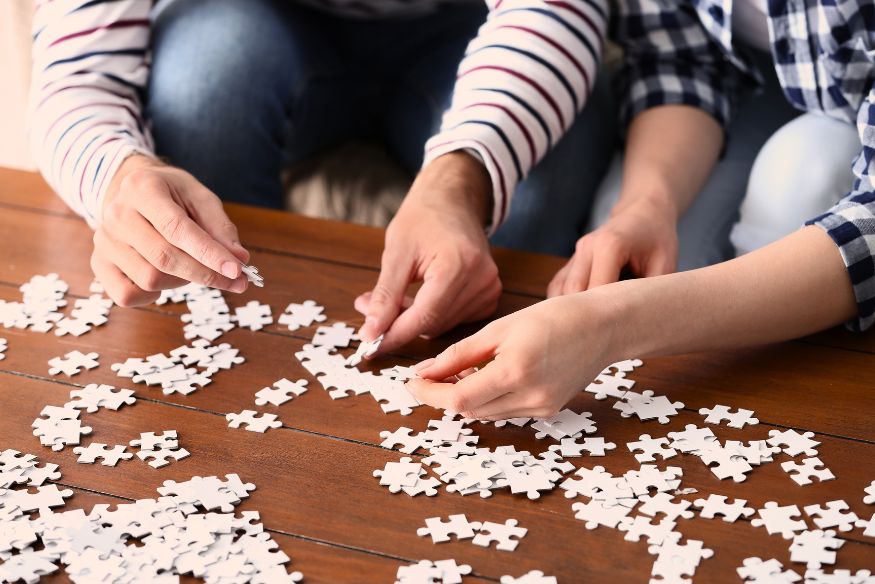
447,142
851,225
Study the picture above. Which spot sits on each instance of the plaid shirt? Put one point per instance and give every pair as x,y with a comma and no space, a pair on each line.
680,52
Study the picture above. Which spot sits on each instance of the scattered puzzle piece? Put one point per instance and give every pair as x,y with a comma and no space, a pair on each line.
835,514
717,505
72,363
777,519
794,443
109,456
507,534
719,413
440,531
281,392
301,315
254,315
815,548
756,571
94,396
253,421
533,577
364,350
810,467
651,447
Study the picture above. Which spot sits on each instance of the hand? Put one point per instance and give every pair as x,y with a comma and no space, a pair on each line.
641,234
437,237
539,358
161,229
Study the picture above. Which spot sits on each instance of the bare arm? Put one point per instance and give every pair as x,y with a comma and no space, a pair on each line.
794,287
542,356
670,152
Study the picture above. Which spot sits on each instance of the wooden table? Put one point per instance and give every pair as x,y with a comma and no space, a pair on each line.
315,490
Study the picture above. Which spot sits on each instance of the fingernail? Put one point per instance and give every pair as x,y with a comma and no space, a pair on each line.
424,364
230,270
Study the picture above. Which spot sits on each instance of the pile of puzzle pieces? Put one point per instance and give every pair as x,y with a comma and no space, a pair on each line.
644,503
612,501
191,529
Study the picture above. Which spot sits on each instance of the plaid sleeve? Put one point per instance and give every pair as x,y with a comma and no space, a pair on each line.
670,58
851,223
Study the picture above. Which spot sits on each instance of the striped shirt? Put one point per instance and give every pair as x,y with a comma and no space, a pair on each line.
519,86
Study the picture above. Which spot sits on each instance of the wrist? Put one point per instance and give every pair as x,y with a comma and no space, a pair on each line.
463,183
650,197
622,313
130,165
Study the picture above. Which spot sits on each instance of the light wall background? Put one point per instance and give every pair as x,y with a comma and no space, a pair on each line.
15,20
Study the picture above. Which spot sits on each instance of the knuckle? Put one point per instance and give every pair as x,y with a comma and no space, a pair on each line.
459,403
204,253
429,321
211,279
171,227
470,256
380,295
451,353
162,258
127,297
113,212
151,281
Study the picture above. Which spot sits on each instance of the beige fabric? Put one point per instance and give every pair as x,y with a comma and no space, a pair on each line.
15,20
357,182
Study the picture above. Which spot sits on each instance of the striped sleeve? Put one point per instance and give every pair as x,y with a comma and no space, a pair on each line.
90,66
521,83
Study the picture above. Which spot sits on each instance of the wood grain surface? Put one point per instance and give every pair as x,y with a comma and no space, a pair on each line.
315,491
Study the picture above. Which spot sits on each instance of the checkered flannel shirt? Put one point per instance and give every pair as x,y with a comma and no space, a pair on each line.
680,52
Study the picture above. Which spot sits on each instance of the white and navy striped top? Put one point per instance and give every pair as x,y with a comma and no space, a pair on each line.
521,83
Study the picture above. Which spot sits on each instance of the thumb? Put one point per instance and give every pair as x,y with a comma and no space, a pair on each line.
460,356
386,298
211,216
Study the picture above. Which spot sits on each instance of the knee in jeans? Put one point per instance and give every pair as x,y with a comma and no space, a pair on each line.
802,170
208,55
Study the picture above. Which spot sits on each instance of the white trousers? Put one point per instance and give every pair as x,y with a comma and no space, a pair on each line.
803,170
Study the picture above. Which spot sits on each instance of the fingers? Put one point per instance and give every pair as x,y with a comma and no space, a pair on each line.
660,265
606,266
363,302
461,356
132,265
579,270
179,230
508,405
166,258
463,397
385,299
118,287
210,215
558,282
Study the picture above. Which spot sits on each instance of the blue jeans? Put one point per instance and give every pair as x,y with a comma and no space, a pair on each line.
240,90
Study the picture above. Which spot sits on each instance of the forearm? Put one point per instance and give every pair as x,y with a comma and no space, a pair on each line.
794,287
670,153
